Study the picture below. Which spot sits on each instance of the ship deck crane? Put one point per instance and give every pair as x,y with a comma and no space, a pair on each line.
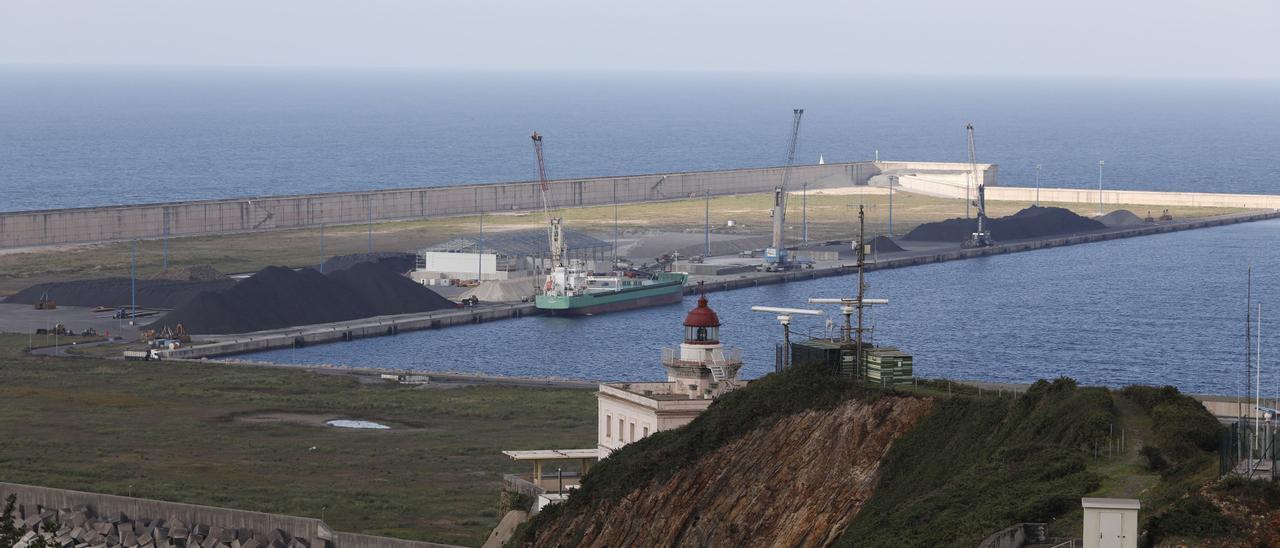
981,237
776,257
555,227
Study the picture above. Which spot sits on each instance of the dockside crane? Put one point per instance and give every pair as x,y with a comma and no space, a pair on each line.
982,237
555,227
776,257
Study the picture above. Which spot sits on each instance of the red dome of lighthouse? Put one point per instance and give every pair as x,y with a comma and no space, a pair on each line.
702,315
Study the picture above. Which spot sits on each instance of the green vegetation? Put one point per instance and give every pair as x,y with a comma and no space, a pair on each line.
184,432
975,466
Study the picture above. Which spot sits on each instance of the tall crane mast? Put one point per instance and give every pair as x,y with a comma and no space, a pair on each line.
555,234
777,253
982,237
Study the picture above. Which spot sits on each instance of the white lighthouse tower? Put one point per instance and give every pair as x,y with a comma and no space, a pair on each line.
701,365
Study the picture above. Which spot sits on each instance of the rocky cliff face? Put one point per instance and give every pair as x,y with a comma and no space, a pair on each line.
795,482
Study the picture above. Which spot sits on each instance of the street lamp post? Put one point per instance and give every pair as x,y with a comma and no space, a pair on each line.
892,180
1100,164
804,208
1038,185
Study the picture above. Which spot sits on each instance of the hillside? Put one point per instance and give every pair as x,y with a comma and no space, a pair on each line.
800,459
723,480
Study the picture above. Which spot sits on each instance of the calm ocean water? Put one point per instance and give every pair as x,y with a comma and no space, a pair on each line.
80,136
1165,309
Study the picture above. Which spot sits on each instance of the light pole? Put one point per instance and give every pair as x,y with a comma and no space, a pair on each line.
804,209
892,180
1100,164
1038,185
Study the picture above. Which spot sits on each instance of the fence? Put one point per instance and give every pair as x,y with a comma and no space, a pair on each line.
1248,449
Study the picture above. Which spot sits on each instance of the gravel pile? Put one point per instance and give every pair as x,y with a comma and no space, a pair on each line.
1032,222
1121,218
278,297
115,292
882,244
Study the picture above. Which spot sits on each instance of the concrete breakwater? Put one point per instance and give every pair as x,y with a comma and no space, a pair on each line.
346,331
747,280
208,217
392,325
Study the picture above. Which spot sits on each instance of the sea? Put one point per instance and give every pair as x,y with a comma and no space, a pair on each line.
1167,309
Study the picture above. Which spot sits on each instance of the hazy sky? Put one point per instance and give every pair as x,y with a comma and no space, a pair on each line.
1140,38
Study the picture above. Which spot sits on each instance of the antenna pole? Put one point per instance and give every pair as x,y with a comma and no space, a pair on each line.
862,286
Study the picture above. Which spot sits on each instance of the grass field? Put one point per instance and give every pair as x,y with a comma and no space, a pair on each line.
830,217
175,432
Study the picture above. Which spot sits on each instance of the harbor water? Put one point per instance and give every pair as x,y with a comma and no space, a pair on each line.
1164,309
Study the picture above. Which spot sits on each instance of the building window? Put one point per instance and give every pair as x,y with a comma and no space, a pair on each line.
608,426
646,431
633,431
621,434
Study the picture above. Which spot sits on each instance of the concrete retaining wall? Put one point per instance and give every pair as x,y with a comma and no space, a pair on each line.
204,217
312,529
1123,197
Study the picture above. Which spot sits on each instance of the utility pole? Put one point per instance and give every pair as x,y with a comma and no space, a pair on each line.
706,221
480,251
322,257
1100,164
893,179
133,283
804,211
368,206
615,223
1037,185
166,238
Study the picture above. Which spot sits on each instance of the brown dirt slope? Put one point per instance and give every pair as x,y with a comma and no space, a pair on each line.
797,482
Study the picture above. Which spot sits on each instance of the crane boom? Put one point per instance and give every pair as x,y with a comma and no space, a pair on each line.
555,239
981,238
777,252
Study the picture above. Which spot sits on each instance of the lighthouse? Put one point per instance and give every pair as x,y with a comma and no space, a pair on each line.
701,366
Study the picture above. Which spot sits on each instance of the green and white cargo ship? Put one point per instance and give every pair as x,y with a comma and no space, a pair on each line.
569,292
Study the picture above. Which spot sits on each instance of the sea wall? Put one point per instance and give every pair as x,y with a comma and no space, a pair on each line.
207,217
315,531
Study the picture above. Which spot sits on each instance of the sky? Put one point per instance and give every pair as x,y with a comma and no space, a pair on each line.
1228,39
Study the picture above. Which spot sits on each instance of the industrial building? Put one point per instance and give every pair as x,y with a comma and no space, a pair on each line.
505,255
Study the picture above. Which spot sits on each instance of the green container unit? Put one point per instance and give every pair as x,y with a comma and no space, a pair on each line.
888,366
837,357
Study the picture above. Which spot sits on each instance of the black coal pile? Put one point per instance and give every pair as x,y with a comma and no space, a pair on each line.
882,244
1032,222
115,292
278,297
393,261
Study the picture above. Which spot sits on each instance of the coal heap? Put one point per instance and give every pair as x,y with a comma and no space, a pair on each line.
1121,218
116,292
394,261
278,297
1032,222
882,244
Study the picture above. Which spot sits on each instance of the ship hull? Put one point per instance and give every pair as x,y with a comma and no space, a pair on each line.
598,303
